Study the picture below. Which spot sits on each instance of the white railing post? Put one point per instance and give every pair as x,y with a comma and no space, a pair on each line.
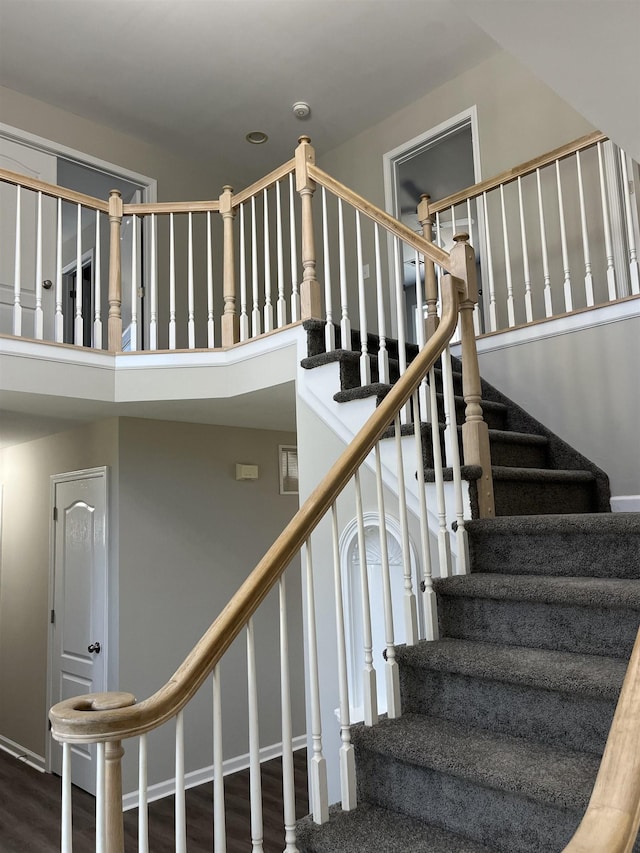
97,320
588,276
143,809
369,680
288,781
528,306
59,318
210,320
66,836
634,269
329,329
172,283
219,819
429,604
383,355
568,301
409,598
255,782
268,307
365,364
38,318
17,268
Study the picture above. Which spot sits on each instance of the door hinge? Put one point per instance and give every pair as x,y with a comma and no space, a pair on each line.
53,617
55,513
141,293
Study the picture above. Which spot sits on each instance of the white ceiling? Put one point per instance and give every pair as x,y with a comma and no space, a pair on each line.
196,75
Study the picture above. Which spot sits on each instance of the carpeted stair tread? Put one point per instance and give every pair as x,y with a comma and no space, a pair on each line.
587,675
607,593
371,829
595,523
559,778
541,475
374,389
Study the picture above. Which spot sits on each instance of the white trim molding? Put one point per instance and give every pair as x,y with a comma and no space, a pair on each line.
625,503
205,774
32,759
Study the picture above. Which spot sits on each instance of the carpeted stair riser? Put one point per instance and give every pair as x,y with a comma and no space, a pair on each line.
585,630
600,545
483,796
545,495
516,450
556,718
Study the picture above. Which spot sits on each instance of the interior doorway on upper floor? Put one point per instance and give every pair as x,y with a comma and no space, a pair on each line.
438,162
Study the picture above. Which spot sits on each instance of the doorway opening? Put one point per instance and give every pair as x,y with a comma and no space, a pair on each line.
439,162
77,302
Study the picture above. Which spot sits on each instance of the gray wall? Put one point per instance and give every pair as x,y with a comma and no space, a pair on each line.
25,470
189,536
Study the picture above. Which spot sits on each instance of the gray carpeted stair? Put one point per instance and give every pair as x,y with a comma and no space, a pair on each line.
506,715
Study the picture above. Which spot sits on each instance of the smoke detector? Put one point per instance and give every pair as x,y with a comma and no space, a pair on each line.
301,110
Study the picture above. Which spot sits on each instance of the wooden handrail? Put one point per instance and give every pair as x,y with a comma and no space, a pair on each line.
612,818
511,175
70,719
54,191
416,241
264,183
147,207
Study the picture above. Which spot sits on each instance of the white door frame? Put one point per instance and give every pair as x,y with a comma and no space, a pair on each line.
55,479
405,152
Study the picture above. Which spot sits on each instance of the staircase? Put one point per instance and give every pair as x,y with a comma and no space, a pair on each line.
505,717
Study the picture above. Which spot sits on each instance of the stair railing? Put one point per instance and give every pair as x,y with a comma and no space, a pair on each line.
554,235
612,818
108,719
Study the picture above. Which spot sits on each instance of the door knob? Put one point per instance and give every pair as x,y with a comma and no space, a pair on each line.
94,648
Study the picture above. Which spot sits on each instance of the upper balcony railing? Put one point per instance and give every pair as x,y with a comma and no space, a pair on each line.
554,235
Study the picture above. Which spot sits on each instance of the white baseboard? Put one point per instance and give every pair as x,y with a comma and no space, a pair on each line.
205,774
625,503
22,753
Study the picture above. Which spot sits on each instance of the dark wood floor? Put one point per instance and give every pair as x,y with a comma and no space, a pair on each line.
30,812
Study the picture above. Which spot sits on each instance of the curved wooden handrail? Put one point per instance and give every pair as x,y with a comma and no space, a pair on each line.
54,191
264,183
520,171
416,241
71,720
612,818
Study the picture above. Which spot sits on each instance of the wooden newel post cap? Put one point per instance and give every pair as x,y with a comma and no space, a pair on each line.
424,196
115,192
461,237
302,140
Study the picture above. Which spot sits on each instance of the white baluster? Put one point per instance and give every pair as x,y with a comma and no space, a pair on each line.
66,839
101,821
476,310
78,327
383,354
462,561
391,671
453,220
180,804
244,318
153,318
420,332
528,306
493,314
429,604
444,545
345,322
318,765
191,319
288,781
59,318
255,783
38,315
143,807
255,313
365,365
347,754
548,306
133,337
588,277
568,300
329,329
172,284
219,819
370,690
606,224
97,320
295,291
634,270
268,307
410,612
511,315
281,311
17,275
210,322
400,318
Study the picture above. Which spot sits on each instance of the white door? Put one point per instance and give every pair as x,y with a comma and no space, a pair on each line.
79,619
43,166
